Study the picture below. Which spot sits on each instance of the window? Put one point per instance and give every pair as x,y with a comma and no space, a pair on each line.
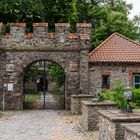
105,81
136,80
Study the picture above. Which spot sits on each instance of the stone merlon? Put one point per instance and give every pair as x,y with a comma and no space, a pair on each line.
41,37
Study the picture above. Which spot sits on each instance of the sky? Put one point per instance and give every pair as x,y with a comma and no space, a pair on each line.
136,7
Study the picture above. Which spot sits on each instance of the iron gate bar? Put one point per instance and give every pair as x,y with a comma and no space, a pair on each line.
44,84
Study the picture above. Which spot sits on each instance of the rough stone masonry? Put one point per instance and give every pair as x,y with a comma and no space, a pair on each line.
19,49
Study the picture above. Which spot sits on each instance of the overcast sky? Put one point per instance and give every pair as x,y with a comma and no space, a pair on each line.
136,7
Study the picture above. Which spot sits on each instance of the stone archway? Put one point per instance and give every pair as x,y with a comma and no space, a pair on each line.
70,51
45,89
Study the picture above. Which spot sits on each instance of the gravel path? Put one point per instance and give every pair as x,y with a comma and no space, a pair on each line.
42,125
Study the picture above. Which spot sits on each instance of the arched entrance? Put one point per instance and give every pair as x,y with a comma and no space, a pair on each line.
43,86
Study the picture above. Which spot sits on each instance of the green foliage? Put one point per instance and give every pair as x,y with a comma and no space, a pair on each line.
106,95
109,18
136,98
32,96
1,115
56,72
21,10
30,73
73,17
117,95
136,21
58,94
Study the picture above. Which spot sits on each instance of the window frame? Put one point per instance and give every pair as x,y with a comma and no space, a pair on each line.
107,86
133,77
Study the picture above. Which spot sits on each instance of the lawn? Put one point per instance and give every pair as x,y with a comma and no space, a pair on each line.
32,97
35,96
58,94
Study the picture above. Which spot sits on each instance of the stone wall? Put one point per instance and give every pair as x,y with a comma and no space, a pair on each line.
132,131
41,36
19,50
90,116
106,128
110,123
116,72
76,103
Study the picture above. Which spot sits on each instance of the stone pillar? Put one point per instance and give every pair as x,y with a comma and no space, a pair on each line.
40,30
12,80
90,116
84,31
76,103
84,72
71,81
1,24
62,32
84,34
2,70
17,31
84,28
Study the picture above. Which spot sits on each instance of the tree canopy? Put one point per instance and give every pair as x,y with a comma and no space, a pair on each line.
106,16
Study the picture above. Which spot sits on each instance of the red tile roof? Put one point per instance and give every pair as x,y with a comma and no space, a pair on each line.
116,48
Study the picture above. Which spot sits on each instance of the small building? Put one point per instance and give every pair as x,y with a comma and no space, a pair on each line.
117,58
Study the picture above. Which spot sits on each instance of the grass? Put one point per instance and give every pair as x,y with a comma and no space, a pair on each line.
35,96
1,115
32,97
57,94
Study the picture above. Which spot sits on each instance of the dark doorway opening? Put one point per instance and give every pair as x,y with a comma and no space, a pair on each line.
43,86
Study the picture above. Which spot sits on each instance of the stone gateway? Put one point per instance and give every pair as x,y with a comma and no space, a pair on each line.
19,50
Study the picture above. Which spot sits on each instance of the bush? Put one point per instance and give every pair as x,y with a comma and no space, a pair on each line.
117,95
106,95
136,98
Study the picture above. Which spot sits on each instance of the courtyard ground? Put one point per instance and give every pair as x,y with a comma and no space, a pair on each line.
42,125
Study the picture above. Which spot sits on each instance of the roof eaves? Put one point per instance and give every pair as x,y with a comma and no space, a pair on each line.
105,61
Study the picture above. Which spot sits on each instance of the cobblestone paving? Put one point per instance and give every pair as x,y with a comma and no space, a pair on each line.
42,125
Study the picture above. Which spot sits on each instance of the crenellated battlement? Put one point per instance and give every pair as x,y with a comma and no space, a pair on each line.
41,36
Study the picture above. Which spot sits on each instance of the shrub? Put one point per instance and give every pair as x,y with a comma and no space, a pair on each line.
117,95
106,95
136,98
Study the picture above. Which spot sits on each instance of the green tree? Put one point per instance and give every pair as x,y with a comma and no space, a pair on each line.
21,10
136,21
111,17
30,73
57,11
56,72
